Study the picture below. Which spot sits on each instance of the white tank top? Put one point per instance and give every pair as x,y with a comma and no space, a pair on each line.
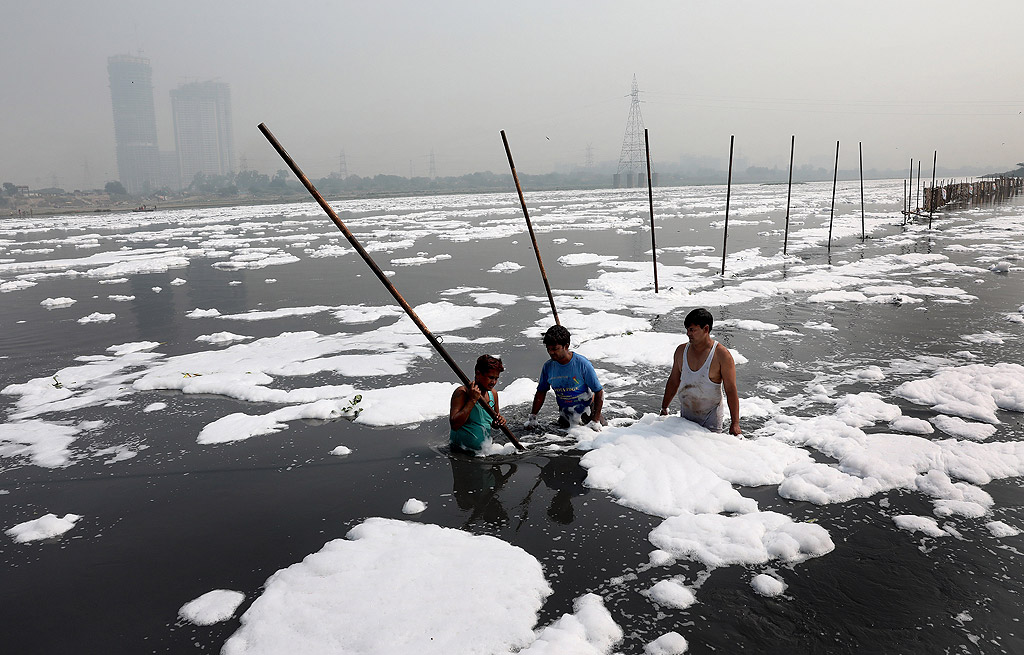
700,398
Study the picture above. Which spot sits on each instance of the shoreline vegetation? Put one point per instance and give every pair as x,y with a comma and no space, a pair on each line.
252,188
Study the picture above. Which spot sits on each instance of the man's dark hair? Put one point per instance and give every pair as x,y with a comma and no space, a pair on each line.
485,363
699,317
556,336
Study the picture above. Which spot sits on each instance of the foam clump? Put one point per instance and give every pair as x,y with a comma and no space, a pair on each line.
397,587
589,630
923,524
672,593
975,391
44,527
341,451
1000,529
97,317
54,303
755,538
413,506
766,585
212,607
670,643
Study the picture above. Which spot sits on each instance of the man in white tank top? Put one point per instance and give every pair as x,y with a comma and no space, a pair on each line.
702,369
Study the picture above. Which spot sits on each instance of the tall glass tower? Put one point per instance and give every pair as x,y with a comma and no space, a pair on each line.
131,94
203,132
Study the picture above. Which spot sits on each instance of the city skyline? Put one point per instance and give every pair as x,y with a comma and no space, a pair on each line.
391,84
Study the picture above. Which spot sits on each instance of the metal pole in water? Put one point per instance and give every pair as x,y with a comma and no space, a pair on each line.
832,211
529,226
860,150
931,202
728,195
650,199
379,273
789,193
918,186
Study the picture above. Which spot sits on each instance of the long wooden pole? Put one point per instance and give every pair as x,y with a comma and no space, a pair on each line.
379,273
832,211
529,226
789,192
650,199
860,150
728,195
931,202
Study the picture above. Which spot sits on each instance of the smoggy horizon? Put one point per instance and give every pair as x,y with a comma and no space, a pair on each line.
395,85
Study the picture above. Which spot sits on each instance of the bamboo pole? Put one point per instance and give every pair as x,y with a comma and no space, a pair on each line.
379,273
832,211
789,192
529,226
860,150
728,195
650,199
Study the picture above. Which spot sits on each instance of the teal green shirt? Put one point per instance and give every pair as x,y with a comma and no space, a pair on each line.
476,429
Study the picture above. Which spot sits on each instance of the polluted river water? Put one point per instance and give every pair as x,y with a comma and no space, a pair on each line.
219,433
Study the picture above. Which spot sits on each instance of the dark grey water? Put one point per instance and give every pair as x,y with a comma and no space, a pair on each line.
181,519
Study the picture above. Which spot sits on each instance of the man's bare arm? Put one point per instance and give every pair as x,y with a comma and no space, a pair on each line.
598,404
538,400
672,384
732,395
462,405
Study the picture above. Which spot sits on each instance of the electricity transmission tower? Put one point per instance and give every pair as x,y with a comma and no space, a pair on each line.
342,165
433,168
589,160
633,158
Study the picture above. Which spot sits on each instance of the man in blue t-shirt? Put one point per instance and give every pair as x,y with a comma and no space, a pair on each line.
574,381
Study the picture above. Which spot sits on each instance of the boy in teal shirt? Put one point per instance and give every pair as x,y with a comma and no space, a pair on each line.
470,423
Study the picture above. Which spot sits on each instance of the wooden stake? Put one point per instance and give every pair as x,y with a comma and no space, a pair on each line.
728,195
650,199
379,273
529,226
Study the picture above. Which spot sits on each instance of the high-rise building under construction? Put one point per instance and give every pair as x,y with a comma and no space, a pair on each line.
203,131
131,95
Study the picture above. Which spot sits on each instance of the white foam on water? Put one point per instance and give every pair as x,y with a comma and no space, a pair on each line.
923,524
672,593
589,630
212,607
395,587
975,391
47,526
414,506
54,303
670,643
97,317
767,585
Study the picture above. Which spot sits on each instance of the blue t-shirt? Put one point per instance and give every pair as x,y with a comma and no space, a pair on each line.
574,383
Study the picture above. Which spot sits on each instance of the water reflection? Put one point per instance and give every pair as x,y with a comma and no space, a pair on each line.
476,484
565,476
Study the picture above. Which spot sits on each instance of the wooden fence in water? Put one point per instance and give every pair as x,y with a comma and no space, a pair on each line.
970,193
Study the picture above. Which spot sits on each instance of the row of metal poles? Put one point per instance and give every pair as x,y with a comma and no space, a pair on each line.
933,194
789,195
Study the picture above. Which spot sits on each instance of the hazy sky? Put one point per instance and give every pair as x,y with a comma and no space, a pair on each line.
389,82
